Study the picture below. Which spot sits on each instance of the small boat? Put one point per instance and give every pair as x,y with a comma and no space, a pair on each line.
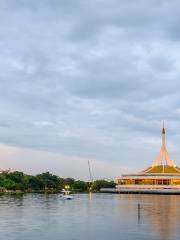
66,195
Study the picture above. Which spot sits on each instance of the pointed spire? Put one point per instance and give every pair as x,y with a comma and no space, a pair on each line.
163,128
163,158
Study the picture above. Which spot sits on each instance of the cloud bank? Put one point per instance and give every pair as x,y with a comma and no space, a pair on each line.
89,80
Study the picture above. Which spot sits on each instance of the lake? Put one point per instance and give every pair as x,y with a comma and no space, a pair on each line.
89,217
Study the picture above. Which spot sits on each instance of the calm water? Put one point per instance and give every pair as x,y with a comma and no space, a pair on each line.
96,217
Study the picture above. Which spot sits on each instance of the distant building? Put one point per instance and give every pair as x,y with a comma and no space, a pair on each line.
163,176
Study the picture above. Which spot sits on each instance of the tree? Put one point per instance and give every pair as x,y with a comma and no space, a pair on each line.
9,184
80,186
35,183
20,179
98,184
50,181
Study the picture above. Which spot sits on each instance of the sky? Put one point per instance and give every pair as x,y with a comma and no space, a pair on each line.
88,80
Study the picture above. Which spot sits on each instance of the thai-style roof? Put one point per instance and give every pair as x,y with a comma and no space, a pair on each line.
163,163
162,169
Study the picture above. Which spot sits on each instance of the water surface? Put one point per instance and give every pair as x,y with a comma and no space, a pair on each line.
89,217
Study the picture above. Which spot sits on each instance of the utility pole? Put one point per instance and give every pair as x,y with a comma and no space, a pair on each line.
90,175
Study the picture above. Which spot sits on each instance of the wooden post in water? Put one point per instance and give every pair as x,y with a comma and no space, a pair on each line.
139,212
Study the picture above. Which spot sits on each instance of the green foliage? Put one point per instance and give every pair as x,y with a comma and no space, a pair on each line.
36,183
20,180
45,181
48,182
98,184
9,184
80,186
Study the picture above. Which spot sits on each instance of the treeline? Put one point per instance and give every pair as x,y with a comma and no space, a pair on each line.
47,182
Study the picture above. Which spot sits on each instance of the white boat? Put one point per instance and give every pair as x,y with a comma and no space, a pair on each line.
66,195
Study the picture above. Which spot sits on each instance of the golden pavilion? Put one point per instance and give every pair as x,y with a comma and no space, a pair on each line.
161,177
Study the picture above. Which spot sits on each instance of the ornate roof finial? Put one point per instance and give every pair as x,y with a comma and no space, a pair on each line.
163,158
163,129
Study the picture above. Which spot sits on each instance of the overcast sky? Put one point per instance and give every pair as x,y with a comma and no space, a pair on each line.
88,79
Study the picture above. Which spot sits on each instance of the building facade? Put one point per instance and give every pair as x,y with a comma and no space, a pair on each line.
163,175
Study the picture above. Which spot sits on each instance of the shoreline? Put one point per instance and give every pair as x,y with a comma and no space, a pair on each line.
141,191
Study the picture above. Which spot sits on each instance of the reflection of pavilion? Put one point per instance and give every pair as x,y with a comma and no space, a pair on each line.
163,176
162,215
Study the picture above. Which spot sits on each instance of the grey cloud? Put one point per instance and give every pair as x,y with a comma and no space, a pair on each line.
89,78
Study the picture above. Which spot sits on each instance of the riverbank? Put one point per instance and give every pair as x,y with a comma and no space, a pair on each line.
19,182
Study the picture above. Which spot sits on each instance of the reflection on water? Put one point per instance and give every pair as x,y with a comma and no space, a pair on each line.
89,216
163,215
